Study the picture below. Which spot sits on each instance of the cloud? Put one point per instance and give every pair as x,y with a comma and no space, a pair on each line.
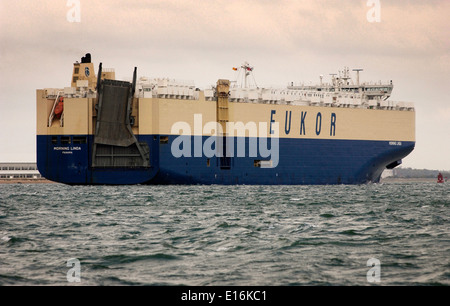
286,26
443,114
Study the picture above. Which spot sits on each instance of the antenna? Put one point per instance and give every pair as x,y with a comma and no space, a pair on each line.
333,78
247,71
345,73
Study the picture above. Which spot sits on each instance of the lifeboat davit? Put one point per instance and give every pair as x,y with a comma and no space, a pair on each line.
59,108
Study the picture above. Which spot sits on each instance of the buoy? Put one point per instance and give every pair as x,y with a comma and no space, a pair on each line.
440,178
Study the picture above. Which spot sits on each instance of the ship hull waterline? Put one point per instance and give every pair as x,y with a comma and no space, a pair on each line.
300,162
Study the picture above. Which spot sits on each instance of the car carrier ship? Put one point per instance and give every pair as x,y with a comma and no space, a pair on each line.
101,130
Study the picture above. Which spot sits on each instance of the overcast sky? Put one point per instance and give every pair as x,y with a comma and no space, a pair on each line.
202,40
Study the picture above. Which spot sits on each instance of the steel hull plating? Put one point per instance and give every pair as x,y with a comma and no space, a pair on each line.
300,161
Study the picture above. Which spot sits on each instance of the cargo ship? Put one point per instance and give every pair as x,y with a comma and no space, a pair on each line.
100,130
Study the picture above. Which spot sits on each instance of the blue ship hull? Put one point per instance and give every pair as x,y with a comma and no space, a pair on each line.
301,161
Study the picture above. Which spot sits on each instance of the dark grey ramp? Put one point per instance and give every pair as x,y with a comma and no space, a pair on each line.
112,127
115,145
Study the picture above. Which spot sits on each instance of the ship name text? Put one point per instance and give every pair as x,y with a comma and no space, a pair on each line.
301,119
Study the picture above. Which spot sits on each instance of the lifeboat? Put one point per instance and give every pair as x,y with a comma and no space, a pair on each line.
59,108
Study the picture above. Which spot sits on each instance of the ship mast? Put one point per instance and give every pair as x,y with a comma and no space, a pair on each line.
243,73
344,75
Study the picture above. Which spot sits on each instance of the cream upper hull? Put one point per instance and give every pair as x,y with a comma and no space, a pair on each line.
158,116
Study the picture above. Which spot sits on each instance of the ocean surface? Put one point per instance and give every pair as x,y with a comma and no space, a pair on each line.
394,233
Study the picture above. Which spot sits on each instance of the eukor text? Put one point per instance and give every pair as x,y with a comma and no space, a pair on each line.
302,119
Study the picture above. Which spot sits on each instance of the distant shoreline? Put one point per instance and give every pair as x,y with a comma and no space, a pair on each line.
408,179
26,181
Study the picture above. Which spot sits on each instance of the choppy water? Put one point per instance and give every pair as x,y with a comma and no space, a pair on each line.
225,235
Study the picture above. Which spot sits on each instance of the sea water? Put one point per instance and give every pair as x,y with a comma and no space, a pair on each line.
387,234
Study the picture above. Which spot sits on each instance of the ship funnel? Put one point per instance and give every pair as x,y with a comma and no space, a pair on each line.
83,71
86,59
